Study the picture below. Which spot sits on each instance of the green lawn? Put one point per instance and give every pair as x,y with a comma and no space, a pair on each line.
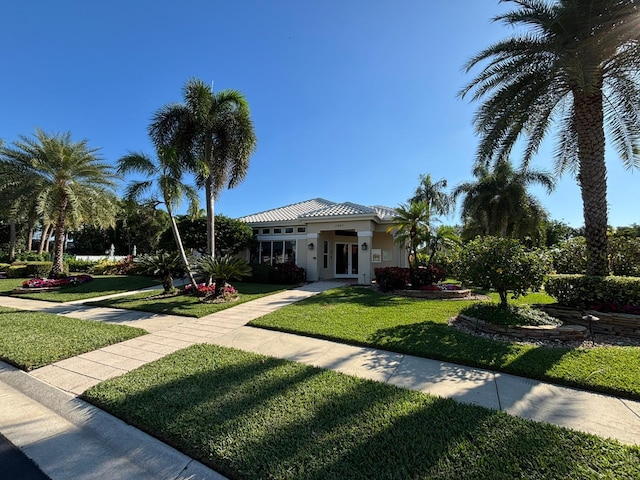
361,316
30,340
101,285
188,305
255,417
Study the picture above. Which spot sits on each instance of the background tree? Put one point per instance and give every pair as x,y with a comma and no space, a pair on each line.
497,202
433,195
572,55
165,176
71,184
214,135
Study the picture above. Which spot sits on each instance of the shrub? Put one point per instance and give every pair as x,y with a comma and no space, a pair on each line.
287,274
17,271
570,256
84,266
624,256
33,257
222,269
163,265
502,264
4,267
517,315
260,273
126,266
428,275
392,278
582,291
38,269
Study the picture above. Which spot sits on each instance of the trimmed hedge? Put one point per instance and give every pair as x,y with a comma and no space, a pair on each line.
38,269
281,274
17,271
82,266
392,278
582,291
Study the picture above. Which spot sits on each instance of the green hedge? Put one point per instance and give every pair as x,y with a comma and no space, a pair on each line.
582,291
82,266
17,271
38,269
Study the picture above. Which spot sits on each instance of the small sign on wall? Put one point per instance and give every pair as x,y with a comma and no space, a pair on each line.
387,255
376,255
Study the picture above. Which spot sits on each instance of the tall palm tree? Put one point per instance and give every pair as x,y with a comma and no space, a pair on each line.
214,135
67,178
577,64
498,204
166,175
432,193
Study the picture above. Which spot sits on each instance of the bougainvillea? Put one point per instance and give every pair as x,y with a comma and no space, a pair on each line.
56,282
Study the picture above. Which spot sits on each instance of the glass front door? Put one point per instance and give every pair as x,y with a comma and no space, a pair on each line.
346,259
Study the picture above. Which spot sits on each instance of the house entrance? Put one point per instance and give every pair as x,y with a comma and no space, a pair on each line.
346,260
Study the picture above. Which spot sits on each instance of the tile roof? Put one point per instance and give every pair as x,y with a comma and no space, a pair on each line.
318,208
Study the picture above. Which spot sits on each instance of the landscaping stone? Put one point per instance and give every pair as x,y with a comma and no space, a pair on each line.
543,332
621,324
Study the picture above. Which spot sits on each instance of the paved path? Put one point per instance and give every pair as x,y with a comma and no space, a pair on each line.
602,415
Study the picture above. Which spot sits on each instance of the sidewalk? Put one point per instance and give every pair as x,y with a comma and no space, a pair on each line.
593,413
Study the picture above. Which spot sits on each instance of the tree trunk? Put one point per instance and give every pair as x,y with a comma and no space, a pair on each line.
12,239
219,290
57,269
30,237
167,284
211,241
43,237
183,254
593,179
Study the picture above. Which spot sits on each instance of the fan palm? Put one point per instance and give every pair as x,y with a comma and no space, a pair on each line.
66,180
214,135
165,175
498,204
576,66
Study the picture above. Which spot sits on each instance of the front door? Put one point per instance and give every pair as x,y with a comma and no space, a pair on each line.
346,260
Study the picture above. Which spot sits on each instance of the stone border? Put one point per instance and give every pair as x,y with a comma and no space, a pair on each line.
34,289
621,324
543,332
436,294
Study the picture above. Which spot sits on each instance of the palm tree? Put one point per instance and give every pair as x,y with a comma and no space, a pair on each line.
214,135
498,204
166,175
433,194
163,265
70,183
578,65
411,227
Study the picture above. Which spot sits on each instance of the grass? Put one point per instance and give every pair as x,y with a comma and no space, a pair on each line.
31,340
101,285
255,417
361,316
188,305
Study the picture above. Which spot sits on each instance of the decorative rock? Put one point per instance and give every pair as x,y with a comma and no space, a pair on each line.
547,332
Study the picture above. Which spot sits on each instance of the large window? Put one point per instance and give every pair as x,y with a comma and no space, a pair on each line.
277,251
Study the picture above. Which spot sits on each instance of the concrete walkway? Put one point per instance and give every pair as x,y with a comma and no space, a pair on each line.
53,388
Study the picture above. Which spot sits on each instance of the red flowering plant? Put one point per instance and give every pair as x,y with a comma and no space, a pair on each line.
204,290
56,282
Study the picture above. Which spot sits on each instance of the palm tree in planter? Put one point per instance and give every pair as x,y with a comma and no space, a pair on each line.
577,65
222,269
411,228
213,134
165,175
164,265
71,184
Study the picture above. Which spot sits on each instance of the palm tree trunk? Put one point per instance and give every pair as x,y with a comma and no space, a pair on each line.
30,237
57,269
44,235
593,179
12,239
211,241
183,254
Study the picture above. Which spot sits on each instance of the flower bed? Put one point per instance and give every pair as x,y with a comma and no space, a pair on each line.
47,284
204,289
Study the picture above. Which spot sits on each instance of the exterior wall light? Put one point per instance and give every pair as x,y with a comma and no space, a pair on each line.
365,246
310,246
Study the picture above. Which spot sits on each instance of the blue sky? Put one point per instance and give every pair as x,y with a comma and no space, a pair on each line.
351,99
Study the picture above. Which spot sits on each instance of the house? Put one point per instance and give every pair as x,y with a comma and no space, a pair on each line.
327,239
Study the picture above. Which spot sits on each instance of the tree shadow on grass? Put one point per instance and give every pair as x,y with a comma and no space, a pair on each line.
441,342
255,417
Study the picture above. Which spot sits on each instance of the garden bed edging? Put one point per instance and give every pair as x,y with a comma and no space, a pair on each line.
622,324
543,332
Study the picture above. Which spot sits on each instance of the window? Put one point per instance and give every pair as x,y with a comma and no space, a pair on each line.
290,251
265,252
266,231
277,230
288,230
302,229
256,231
277,251
325,254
